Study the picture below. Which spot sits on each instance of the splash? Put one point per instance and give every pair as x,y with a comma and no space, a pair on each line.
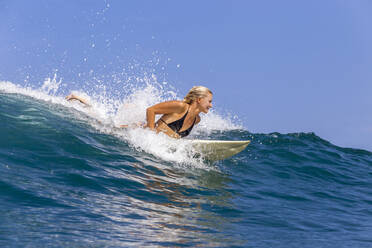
43,93
51,86
134,105
214,121
162,146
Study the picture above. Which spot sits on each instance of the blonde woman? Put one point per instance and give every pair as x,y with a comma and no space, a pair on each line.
178,117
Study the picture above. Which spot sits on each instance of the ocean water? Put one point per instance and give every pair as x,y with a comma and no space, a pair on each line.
70,178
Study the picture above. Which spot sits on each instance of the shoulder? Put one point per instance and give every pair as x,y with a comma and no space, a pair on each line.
181,105
169,107
178,103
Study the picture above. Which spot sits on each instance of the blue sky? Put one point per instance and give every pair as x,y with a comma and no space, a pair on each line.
281,66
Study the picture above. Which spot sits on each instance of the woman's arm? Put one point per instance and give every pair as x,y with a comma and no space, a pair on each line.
163,108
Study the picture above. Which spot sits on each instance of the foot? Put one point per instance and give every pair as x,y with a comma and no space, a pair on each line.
70,97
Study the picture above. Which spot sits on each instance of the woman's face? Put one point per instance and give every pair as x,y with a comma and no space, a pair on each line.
205,103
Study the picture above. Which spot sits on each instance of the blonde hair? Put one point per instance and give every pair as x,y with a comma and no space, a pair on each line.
195,93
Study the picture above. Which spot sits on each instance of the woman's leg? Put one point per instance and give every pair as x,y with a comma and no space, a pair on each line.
79,98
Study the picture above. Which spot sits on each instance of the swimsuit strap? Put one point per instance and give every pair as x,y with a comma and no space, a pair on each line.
177,125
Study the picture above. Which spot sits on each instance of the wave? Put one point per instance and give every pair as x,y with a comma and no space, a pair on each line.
70,177
106,114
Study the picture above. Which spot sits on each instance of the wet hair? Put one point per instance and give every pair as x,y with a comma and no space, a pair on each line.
195,93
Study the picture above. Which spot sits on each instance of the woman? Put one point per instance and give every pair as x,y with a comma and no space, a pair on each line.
178,117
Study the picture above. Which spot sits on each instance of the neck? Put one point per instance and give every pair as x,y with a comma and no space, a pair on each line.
194,109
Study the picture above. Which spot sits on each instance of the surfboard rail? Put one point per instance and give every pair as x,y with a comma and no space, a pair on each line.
214,150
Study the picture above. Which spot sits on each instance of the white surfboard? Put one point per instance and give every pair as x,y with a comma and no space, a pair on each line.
214,150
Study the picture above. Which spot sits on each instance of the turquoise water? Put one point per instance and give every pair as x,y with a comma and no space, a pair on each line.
68,180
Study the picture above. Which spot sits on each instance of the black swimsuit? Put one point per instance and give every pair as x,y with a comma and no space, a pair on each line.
177,125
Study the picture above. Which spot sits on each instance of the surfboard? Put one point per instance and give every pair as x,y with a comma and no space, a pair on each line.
214,150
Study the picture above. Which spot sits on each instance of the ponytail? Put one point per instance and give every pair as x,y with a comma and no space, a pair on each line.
195,93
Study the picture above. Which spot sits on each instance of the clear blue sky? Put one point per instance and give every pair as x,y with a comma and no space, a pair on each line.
281,66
